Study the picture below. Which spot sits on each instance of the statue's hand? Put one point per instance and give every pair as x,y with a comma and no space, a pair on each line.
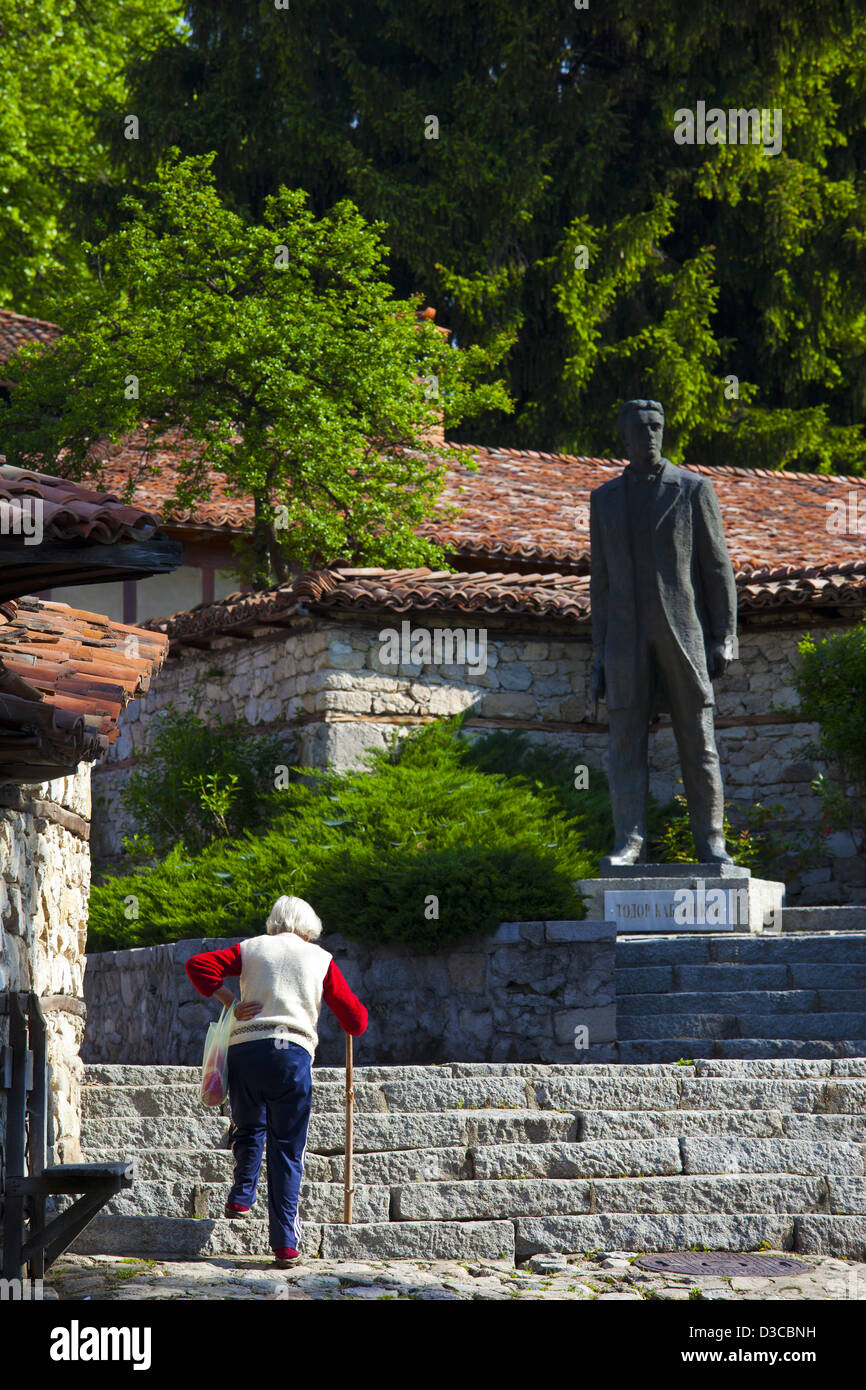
718,659
596,681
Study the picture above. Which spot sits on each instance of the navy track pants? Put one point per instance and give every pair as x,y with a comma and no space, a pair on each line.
271,1094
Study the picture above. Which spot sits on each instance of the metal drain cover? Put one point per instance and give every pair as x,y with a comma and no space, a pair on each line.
720,1262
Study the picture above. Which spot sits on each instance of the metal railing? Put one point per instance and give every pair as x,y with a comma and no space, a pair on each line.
25,1181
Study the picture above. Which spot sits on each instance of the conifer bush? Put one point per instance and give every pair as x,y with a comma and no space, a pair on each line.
424,847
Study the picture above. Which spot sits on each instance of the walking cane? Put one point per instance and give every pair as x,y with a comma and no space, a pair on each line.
348,1183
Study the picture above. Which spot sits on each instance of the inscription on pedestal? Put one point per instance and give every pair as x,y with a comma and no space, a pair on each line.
677,909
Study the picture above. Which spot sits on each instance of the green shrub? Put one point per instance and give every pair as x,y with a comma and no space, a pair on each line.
368,849
766,839
831,683
543,767
493,829
199,778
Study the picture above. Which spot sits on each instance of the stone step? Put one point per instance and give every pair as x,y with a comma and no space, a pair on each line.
818,1158
186,1238
187,1197
139,1074
499,1199
645,1051
726,948
326,1135
782,1068
808,1233
494,1098
135,1074
329,1097
744,1001
215,1165
693,1155
554,1103
821,1027
562,1159
814,1095
100,1074
599,1124
755,1124
851,917
661,979
594,1158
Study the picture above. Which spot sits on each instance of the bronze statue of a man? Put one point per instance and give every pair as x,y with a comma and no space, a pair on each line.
664,621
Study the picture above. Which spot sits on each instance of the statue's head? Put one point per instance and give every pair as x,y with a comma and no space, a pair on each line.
641,426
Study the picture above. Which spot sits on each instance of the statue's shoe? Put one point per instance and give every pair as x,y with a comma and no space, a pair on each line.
628,853
713,851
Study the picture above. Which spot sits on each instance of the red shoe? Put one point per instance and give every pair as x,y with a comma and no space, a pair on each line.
232,1210
285,1257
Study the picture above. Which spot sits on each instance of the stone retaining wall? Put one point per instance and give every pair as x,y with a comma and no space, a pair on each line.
44,887
333,696
516,996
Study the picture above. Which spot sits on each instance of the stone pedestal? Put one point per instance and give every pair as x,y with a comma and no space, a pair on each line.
684,898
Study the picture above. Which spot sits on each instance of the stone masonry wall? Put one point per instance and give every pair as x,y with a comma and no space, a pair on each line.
44,887
331,683
515,996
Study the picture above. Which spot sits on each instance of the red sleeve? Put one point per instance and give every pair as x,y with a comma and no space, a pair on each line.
208,970
350,1012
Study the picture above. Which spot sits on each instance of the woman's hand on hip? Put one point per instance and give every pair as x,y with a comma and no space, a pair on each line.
249,1009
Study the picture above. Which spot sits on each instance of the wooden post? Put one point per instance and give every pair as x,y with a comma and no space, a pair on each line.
348,1181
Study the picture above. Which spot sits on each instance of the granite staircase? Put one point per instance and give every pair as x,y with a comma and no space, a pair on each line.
800,993
505,1160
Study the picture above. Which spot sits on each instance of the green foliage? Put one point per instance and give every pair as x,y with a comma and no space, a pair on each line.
556,130
444,836
831,683
544,768
200,778
280,347
769,840
60,62
368,849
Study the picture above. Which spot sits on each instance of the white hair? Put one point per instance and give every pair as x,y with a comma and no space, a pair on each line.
293,914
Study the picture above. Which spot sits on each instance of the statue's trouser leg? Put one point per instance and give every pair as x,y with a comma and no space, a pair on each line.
628,771
699,759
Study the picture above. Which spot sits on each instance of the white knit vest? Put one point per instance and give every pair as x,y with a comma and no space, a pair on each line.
286,975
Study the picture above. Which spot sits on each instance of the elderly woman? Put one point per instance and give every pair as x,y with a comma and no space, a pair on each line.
283,979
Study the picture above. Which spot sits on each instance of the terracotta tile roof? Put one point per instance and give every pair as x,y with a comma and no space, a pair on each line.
156,475
526,508
424,590
522,507
563,597
86,536
17,329
76,510
65,677
532,507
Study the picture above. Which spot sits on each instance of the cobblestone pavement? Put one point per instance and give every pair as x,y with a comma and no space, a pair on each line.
597,1275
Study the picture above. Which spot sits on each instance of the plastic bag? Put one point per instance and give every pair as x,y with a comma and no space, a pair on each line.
215,1060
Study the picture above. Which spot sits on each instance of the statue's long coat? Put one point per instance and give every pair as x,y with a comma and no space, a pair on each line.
693,576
